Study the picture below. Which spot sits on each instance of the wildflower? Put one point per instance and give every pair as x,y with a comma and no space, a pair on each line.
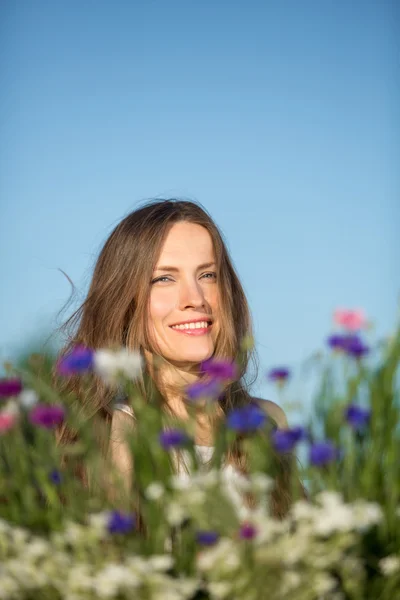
355,347
357,416
7,421
112,365
173,438
284,440
246,419
222,370
352,320
79,360
279,374
208,390
10,387
155,490
322,453
390,564
350,344
120,523
55,477
28,398
247,531
207,538
47,415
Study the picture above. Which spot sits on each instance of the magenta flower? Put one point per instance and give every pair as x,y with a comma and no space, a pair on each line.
10,387
322,453
247,531
284,440
207,538
209,390
173,438
120,523
222,370
79,360
47,415
246,419
279,374
357,416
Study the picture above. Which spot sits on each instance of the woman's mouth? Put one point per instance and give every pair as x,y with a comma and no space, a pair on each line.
193,328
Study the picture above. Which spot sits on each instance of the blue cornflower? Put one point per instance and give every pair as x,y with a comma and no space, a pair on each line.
322,453
120,523
207,538
246,419
173,438
279,374
223,370
209,390
284,440
357,416
79,360
55,477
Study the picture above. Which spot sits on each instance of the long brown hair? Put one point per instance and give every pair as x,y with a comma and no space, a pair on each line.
114,313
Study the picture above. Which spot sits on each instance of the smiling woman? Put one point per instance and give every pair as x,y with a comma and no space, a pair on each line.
164,286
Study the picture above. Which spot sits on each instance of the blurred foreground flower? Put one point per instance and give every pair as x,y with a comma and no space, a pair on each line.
120,523
173,438
223,370
207,538
357,416
349,344
7,421
111,365
47,415
247,531
246,419
79,360
10,387
350,319
207,390
284,440
322,453
279,374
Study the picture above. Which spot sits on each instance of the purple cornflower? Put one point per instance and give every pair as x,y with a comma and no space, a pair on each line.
47,415
357,416
350,344
207,538
284,440
322,453
120,523
10,387
55,477
210,390
247,531
280,374
246,419
173,438
79,360
222,370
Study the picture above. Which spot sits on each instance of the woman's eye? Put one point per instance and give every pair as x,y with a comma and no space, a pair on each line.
210,275
162,279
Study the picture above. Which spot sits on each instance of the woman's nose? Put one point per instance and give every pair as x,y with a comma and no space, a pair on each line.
191,295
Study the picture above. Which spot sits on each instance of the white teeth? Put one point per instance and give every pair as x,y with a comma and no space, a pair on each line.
199,325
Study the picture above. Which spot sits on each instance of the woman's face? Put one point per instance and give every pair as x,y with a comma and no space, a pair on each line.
184,296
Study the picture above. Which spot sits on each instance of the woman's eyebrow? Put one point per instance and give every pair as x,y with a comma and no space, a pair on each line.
175,269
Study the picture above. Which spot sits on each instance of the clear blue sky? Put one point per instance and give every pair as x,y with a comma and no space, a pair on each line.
280,117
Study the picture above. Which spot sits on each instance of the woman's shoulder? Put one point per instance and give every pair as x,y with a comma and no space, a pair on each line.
274,411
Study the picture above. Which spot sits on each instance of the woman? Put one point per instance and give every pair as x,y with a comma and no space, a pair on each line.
164,285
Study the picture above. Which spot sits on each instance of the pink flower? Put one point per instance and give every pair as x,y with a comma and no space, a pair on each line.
7,421
352,320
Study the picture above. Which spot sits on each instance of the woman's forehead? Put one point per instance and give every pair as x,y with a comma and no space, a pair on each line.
186,242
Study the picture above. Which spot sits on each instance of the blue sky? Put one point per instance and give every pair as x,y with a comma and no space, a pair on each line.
280,118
